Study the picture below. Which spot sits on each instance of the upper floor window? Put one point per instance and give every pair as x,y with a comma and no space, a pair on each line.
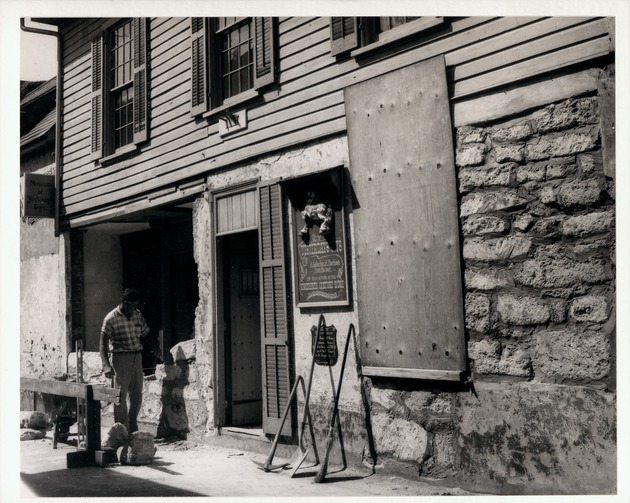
232,59
119,88
121,83
368,33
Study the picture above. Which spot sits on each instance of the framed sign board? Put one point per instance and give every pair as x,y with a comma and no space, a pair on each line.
319,235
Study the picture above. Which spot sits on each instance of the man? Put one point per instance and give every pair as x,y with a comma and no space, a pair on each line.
125,327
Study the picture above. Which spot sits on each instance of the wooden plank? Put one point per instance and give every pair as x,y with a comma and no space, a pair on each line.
105,393
540,45
198,165
523,33
532,67
505,103
309,27
62,388
98,189
427,374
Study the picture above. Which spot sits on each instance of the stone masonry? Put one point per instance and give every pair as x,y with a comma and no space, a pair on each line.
538,220
538,226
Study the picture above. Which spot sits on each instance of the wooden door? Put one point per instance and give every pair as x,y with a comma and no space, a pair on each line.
244,338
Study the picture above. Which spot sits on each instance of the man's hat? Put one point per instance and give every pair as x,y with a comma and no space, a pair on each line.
130,295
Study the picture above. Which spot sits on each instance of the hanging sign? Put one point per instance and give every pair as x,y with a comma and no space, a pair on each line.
38,196
325,352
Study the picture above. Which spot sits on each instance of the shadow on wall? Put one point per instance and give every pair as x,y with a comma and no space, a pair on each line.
171,397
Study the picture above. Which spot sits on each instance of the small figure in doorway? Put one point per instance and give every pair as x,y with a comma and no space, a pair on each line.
316,211
125,328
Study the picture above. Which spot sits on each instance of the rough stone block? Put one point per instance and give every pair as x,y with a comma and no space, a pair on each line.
522,310
472,154
588,224
511,247
589,164
485,224
547,227
477,312
509,153
34,419
489,202
531,173
514,133
558,310
140,449
184,351
116,437
579,193
548,195
31,434
593,308
561,272
487,279
570,113
383,397
523,222
561,168
492,357
530,438
485,176
404,439
571,354
469,134
563,145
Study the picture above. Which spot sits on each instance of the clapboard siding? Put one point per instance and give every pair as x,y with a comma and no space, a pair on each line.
112,183
480,53
538,45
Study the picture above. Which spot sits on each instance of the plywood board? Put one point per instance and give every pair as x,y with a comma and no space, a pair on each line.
406,226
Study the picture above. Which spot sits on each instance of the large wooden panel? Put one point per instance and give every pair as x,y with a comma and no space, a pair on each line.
406,225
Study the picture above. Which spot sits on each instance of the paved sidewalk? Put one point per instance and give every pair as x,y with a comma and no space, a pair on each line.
185,468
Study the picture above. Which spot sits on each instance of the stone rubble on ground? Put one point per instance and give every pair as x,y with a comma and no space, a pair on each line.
117,437
140,449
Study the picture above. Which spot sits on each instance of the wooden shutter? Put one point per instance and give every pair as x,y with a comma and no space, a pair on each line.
199,98
274,310
344,33
406,229
264,72
140,91
97,98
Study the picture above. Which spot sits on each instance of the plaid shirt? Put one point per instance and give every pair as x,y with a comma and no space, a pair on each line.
124,333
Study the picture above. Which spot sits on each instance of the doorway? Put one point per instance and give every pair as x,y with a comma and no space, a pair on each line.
241,313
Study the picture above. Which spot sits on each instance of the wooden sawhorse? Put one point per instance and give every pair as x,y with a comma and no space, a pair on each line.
92,394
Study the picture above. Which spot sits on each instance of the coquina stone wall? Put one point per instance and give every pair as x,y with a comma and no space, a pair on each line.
537,213
538,223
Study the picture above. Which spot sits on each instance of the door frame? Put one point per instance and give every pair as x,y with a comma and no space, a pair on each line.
221,399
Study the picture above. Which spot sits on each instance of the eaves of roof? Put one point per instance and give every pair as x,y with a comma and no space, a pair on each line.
40,91
40,129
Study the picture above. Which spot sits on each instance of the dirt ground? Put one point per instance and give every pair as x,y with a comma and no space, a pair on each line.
185,468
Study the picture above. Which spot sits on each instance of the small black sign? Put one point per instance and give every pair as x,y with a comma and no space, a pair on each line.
325,352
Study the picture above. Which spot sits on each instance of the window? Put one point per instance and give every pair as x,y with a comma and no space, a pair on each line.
369,33
232,59
119,88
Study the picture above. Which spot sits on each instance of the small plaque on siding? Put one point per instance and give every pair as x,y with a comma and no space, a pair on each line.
38,195
325,352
